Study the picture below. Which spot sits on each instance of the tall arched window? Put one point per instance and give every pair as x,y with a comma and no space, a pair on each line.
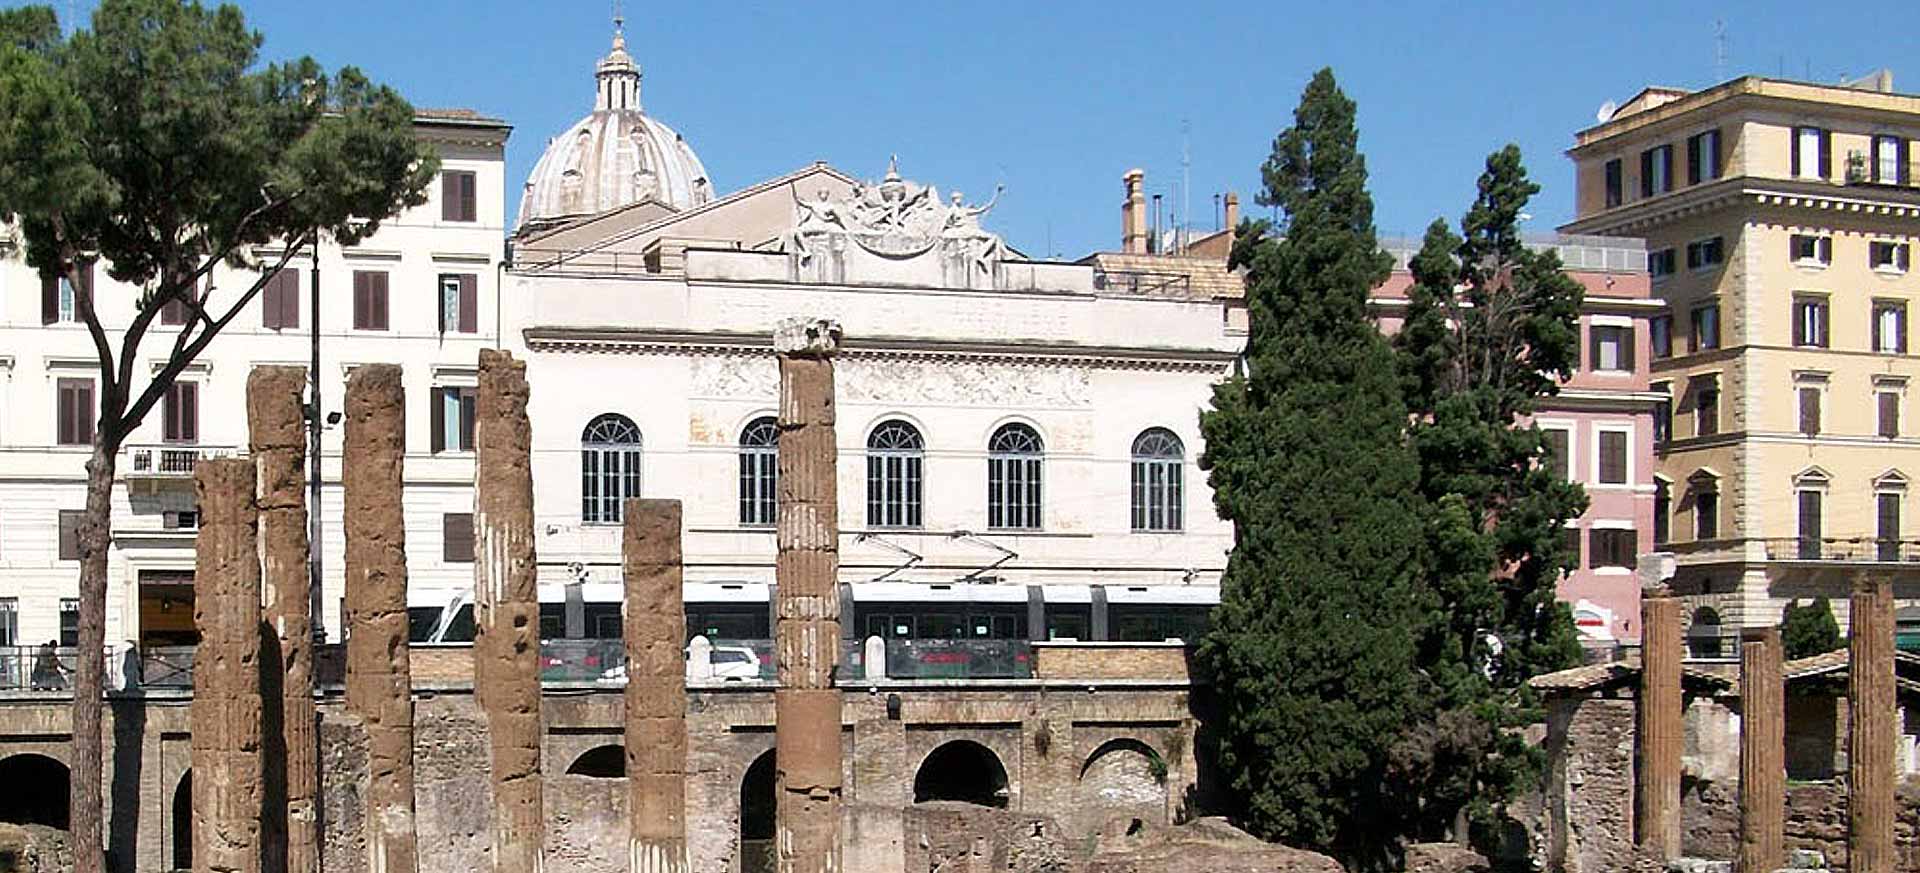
1158,459
1013,478
759,455
609,467
895,459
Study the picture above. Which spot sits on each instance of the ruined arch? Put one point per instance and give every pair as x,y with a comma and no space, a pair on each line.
182,821
962,770
757,802
37,790
1122,777
601,762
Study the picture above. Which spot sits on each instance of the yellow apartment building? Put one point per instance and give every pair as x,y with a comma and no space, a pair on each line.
1780,219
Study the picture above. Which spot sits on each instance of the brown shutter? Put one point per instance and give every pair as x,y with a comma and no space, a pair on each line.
64,426
436,419
1628,339
1826,154
468,397
1889,518
469,197
70,534
1889,414
49,299
1693,158
469,303
83,410
189,411
449,196
456,535
170,413
1613,457
1809,411
1900,162
377,297
440,301
290,300
1794,169
359,300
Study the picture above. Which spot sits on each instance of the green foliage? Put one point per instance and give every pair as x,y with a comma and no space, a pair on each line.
156,143
1809,630
1490,327
1312,650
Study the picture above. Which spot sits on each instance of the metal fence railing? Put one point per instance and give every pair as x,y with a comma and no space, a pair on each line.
1843,549
37,668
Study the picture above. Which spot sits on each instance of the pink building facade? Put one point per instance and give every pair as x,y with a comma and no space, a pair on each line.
1601,424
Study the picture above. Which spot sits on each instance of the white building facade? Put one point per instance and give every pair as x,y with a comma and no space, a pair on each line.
423,292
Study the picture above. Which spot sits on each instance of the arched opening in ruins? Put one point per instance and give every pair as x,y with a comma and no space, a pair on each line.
601,762
756,816
962,770
183,822
1123,777
36,790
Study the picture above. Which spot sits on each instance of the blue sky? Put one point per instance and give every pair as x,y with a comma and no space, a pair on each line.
1057,99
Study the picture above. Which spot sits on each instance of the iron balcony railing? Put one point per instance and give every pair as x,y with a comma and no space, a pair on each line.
37,668
1143,283
170,460
1860,549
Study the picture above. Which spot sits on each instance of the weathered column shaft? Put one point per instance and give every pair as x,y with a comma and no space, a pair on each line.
1871,733
379,674
278,442
1763,753
228,798
506,610
653,619
807,636
1660,736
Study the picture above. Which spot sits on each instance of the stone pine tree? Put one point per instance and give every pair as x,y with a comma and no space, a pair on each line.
155,146
1312,650
1809,630
1491,326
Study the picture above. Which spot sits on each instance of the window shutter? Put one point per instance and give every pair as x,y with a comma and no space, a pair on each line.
469,201
1719,154
467,416
290,300
377,298
1794,170
1889,516
1810,411
1693,158
1874,158
270,304
436,403
63,424
1810,515
1646,173
440,303
70,535
1628,340
1799,324
1825,249
170,413
1900,331
469,303
189,411
1613,457
1826,154
1889,414
83,411
449,196
456,529
360,306
1900,161
49,299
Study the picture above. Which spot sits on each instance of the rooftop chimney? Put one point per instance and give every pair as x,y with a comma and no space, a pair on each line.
1133,214
1233,211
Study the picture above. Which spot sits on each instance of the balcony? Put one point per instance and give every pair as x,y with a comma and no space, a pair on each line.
169,460
1847,550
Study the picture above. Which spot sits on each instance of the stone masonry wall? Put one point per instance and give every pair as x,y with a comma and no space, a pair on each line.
1816,819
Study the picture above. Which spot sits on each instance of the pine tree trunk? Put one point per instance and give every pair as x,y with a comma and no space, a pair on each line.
90,668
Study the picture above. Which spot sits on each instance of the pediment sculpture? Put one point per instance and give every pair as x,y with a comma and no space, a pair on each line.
896,220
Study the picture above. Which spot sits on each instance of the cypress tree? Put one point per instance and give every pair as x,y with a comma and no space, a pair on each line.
1312,650
1809,630
1491,325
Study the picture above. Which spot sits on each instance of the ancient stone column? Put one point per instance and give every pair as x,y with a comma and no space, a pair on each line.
807,633
1872,728
1660,736
379,675
278,442
1763,752
227,793
653,619
506,610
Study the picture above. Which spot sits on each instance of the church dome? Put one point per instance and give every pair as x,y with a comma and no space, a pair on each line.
614,157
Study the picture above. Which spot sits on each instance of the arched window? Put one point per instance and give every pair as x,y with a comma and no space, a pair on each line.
609,467
896,457
1158,459
1013,478
759,454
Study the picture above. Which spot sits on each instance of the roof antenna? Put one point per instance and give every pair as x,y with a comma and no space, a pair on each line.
1186,183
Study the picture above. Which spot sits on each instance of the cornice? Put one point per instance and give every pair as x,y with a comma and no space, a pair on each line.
1755,192
690,343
